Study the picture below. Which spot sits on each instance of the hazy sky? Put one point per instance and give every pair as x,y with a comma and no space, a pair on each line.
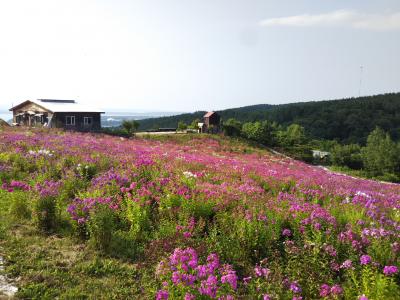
186,55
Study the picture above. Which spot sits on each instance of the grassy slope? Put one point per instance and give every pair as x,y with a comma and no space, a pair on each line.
50,266
60,266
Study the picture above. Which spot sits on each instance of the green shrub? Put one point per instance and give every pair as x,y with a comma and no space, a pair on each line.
139,218
101,225
389,177
86,171
45,213
20,205
71,187
347,155
371,283
232,127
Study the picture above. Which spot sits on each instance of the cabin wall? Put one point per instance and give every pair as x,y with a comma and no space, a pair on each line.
59,121
213,120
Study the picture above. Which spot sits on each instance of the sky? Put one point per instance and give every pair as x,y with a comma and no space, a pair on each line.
188,55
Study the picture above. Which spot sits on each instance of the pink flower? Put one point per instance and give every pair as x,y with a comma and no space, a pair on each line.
295,287
187,234
365,259
246,280
209,287
189,296
324,290
162,295
261,272
286,232
336,289
390,270
347,264
230,278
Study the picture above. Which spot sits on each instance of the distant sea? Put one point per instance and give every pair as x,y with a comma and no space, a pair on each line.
114,119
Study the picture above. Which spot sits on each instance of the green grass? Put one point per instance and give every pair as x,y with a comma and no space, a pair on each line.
59,266
363,174
56,267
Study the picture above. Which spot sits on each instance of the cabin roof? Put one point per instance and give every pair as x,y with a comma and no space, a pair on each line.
54,105
209,114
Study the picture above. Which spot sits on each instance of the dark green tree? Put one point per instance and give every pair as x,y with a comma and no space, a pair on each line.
130,126
194,124
347,155
261,132
182,126
380,156
232,127
294,135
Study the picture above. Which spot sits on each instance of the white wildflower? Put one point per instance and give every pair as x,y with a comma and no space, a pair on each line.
189,174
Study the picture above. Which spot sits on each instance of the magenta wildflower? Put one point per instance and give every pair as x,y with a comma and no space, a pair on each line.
176,277
390,270
189,296
246,280
286,232
162,295
212,263
336,289
365,259
209,287
324,290
230,278
347,264
187,234
295,287
201,271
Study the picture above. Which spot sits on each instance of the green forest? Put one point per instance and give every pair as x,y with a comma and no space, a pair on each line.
346,121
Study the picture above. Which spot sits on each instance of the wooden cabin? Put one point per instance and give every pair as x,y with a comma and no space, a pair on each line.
212,122
53,113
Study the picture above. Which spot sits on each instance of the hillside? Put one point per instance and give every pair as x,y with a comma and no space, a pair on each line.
89,216
3,123
346,120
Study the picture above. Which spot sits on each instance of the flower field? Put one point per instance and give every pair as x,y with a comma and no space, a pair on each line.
192,217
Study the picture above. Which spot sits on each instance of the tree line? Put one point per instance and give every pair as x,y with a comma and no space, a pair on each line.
347,120
379,158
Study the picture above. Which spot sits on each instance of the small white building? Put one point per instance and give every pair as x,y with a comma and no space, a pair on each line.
201,127
320,154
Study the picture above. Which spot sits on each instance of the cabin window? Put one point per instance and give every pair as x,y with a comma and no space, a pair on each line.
87,121
70,120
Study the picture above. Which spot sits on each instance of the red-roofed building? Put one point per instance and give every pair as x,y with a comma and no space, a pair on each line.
212,121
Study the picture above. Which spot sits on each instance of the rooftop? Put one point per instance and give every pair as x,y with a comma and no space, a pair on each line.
55,105
56,100
209,114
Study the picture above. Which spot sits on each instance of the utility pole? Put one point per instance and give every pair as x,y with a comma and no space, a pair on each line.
359,87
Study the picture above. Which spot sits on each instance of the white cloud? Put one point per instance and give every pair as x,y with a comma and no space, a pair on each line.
339,18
